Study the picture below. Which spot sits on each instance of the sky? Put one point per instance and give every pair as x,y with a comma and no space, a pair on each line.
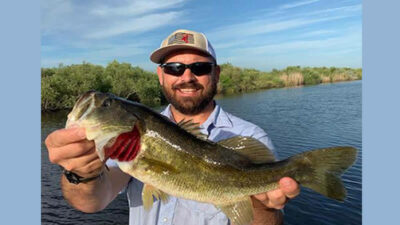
259,34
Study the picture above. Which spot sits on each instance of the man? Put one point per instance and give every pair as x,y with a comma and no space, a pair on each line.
188,74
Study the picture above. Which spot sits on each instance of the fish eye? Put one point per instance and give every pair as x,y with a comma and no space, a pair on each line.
106,103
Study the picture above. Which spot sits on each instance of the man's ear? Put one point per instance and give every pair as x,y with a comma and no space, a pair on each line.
160,75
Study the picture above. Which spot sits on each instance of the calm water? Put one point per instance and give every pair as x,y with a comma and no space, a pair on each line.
297,119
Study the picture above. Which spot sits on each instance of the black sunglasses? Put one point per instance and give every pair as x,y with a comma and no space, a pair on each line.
197,68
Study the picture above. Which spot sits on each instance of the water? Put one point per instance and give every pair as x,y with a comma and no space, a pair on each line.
55,209
297,119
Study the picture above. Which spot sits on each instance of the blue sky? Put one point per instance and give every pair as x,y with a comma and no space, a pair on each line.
260,34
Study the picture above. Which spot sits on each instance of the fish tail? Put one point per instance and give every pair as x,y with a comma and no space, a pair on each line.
321,170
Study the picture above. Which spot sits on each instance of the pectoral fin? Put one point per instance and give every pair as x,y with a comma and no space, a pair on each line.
148,193
240,213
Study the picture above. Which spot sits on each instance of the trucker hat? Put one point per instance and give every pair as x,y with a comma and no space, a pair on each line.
180,40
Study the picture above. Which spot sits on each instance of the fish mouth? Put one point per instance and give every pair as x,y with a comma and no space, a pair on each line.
82,107
86,103
103,135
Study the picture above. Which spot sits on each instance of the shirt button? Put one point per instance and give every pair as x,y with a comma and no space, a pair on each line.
165,219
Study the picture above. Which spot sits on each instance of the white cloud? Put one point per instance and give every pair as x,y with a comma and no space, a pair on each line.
51,12
281,11
350,9
76,20
297,4
317,33
137,25
263,26
136,8
228,44
351,40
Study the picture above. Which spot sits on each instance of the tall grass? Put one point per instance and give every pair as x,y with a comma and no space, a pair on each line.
292,79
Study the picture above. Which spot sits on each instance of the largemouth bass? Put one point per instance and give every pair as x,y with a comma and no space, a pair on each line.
176,159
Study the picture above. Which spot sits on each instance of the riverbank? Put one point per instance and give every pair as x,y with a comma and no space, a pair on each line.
60,86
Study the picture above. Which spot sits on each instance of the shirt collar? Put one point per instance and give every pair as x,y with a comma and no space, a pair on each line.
218,117
167,112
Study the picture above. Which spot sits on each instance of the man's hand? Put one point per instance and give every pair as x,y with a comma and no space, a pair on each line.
266,205
276,199
70,149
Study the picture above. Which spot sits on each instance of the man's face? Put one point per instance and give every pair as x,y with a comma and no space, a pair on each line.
189,93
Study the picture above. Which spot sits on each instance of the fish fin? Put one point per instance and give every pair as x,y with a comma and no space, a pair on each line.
252,148
147,196
240,213
321,169
193,128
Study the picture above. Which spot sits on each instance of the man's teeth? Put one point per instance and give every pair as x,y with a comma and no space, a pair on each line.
188,90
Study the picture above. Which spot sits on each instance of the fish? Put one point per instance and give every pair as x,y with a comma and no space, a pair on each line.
176,159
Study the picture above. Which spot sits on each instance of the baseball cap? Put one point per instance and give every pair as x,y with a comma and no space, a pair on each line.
183,39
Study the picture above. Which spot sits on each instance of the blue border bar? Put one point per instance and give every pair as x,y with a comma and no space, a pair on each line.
381,104
20,112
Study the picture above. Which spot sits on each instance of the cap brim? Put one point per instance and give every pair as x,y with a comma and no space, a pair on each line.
160,53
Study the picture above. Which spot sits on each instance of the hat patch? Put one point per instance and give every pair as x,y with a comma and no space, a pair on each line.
181,38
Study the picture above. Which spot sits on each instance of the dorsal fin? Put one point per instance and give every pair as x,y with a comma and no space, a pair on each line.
256,151
192,128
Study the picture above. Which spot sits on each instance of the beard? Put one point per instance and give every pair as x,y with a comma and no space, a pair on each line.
191,105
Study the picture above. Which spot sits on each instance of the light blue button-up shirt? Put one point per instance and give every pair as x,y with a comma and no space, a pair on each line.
219,125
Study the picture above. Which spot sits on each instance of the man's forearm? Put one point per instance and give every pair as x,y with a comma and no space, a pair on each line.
86,197
267,217
94,195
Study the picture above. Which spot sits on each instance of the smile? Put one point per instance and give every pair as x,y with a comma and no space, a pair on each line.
188,90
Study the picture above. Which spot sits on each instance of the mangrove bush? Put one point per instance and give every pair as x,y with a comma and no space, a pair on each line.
60,86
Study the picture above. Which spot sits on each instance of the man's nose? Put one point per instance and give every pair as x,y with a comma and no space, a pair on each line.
188,76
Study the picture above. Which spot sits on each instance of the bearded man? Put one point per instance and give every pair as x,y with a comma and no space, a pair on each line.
188,73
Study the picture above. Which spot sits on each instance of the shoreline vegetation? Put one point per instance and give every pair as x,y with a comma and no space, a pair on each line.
60,86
